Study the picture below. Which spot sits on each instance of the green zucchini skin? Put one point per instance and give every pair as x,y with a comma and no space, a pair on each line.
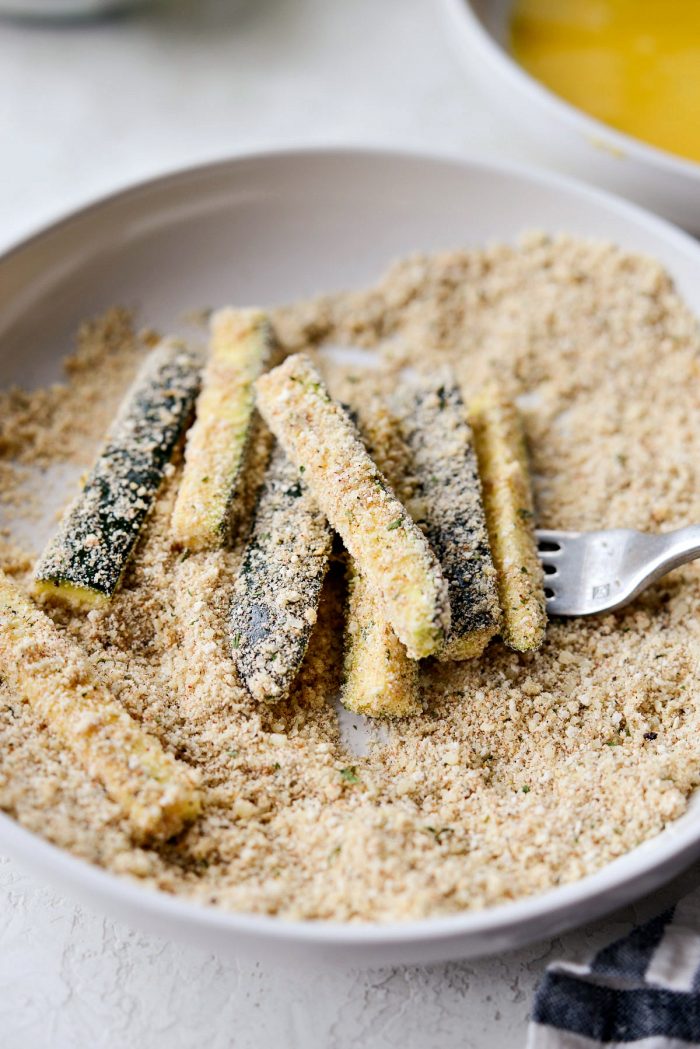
278,585
85,561
448,507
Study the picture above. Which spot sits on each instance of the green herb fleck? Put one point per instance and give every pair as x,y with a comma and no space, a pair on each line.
236,640
525,514
395,524
350,774
438,832
525,789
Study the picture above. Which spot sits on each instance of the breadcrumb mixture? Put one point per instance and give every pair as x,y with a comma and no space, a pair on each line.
523,771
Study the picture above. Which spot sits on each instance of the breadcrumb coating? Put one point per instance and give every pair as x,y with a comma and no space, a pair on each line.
218,447
448,507
321,440
84,562
380,679
278,585
525,770
156,792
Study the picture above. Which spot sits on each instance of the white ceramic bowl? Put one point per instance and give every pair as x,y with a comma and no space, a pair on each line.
566,137
266,229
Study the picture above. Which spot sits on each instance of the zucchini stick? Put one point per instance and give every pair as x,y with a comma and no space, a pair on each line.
278,584
448,507
219,442
320,438
500,447
379,678
156,793
84,563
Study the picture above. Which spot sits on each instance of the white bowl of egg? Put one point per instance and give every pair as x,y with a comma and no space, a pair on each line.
609,89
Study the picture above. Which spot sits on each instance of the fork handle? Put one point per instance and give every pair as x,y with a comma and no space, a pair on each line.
675,549
654,555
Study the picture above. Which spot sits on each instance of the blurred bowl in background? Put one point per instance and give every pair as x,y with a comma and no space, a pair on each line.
566,137
53,10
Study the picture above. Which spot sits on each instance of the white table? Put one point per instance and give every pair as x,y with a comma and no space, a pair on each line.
86,109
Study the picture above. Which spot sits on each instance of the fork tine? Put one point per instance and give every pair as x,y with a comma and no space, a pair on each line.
551,539
551,550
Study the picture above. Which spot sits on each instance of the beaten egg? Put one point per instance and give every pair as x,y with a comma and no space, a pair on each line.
634,64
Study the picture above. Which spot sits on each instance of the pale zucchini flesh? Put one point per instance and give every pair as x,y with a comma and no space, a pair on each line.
217,452
156,793
448,506
391,551
278,585
505,476
379,678
84,562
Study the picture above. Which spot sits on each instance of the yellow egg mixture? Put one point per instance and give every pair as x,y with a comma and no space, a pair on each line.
634,64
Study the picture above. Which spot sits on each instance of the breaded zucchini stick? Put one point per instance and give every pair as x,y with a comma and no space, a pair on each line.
219,442
394,555
278,585
379,678
84,562
156,793
448,507
500,447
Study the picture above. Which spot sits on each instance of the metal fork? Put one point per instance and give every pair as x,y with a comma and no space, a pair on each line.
589,572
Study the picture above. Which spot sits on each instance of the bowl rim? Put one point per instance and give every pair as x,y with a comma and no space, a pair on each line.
471,30
682,836
30,849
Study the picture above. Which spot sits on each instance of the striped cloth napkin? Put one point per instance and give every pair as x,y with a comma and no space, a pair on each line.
641,992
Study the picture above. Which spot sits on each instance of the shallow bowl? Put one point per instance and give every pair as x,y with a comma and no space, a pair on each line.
267,229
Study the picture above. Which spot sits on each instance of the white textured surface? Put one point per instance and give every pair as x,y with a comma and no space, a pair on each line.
86,109
82,111
71,979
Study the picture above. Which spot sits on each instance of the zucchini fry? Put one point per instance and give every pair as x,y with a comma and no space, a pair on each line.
448,507
500,447
85,561
278,585
156,793
394,555
379,679
218,444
